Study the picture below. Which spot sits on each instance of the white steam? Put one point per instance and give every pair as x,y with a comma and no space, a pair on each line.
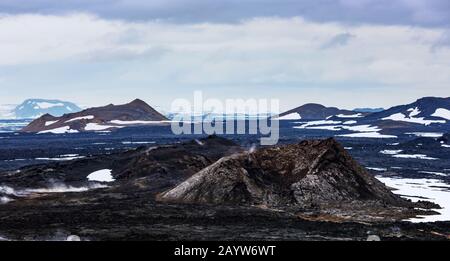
53,188
4,200
199,142
252,148
62,188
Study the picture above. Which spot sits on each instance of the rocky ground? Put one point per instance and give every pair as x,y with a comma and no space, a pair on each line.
116,216
129,209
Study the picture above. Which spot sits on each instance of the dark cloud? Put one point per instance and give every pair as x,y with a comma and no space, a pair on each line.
433,13
338,40
442,42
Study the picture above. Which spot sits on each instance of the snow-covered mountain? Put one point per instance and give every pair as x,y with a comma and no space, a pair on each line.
313,111
428,116
103,118
34,108
425,111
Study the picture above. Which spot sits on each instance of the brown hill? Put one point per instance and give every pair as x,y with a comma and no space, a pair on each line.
307,174
98,118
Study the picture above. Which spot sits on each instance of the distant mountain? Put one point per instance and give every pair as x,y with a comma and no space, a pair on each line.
34,108
313,111
426,111
104,118
215,116
368,110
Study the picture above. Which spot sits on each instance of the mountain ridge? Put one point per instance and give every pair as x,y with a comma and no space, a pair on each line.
425,107
424,111
33,108
315,111
97,119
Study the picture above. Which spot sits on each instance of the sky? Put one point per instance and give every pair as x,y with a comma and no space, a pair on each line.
344,53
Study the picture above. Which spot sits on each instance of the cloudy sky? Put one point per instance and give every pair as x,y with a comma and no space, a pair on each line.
346,53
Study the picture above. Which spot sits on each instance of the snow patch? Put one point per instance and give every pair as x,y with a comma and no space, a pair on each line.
390,152
362,128
413,156
48,123
413,112
314,123
98,127
368,135
432,189
88,117
103,175
61,130
359,128
401,117
426,134
442,113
